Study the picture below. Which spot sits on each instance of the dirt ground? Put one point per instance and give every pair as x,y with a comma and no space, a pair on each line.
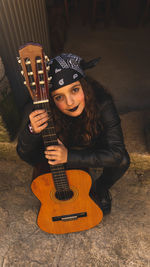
121,239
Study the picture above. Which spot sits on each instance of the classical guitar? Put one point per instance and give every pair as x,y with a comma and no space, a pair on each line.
64,194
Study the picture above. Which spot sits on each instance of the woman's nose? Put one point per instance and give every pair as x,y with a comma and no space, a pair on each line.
69,100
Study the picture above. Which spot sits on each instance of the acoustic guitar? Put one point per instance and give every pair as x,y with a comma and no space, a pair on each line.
64,194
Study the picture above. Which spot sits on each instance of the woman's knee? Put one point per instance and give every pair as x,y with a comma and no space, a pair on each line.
125,163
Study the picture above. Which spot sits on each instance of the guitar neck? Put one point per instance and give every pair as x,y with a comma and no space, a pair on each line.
48,134
35,71
50,138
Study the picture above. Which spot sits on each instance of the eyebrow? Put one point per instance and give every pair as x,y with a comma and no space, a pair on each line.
78,84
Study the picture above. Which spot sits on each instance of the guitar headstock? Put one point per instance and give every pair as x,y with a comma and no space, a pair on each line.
35,71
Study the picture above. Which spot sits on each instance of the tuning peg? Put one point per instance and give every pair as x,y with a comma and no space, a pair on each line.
32,84
38,61
47,58
30,73
22,72
49,78
40,72
48,67
19,60
27,62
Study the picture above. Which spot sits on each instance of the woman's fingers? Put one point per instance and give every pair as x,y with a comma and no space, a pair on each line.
52,154
53,148
36,113
41,128
56,154
38,127
53,157
54,162
38,119
38,116
59,142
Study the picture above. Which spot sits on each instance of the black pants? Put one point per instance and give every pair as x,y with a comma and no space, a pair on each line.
111,175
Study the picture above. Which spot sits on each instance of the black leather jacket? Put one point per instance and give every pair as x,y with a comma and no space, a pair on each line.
107,150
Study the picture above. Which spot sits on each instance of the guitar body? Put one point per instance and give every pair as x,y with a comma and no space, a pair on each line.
76,214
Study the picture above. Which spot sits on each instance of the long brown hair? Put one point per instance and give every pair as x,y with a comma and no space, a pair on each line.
81,129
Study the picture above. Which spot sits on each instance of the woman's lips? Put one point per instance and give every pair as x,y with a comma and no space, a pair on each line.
73,109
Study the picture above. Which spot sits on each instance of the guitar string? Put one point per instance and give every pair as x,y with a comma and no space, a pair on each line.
51,131
42,95
31,78
33,87
43,106
58,170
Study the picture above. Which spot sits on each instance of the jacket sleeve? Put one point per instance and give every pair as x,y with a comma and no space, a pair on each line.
30,147
111,153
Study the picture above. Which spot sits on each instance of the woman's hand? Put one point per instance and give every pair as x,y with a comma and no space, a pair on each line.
38,119
56,154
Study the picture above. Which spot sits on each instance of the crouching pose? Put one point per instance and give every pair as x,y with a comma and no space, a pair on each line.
87,126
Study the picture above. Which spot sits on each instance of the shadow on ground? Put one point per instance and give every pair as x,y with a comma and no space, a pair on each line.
121,239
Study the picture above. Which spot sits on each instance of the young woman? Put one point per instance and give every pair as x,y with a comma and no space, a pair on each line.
87,126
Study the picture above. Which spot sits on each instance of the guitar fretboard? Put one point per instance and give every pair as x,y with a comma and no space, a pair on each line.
50,138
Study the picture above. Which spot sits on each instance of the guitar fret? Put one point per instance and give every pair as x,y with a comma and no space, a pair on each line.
60,179
48,141
62,182
51,134
59,176
50,127
49,131
52,139
61,186
61,172
47,135
62,175
58,169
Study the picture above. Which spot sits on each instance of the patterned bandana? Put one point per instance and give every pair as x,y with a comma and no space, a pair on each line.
67,68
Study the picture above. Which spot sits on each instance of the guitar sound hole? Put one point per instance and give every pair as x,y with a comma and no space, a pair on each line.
64,195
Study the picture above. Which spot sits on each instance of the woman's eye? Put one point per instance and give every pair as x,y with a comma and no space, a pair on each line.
58,98
75,90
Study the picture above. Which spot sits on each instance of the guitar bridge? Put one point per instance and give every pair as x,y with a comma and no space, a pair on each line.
69,217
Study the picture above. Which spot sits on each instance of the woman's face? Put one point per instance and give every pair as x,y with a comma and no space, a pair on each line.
70,99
